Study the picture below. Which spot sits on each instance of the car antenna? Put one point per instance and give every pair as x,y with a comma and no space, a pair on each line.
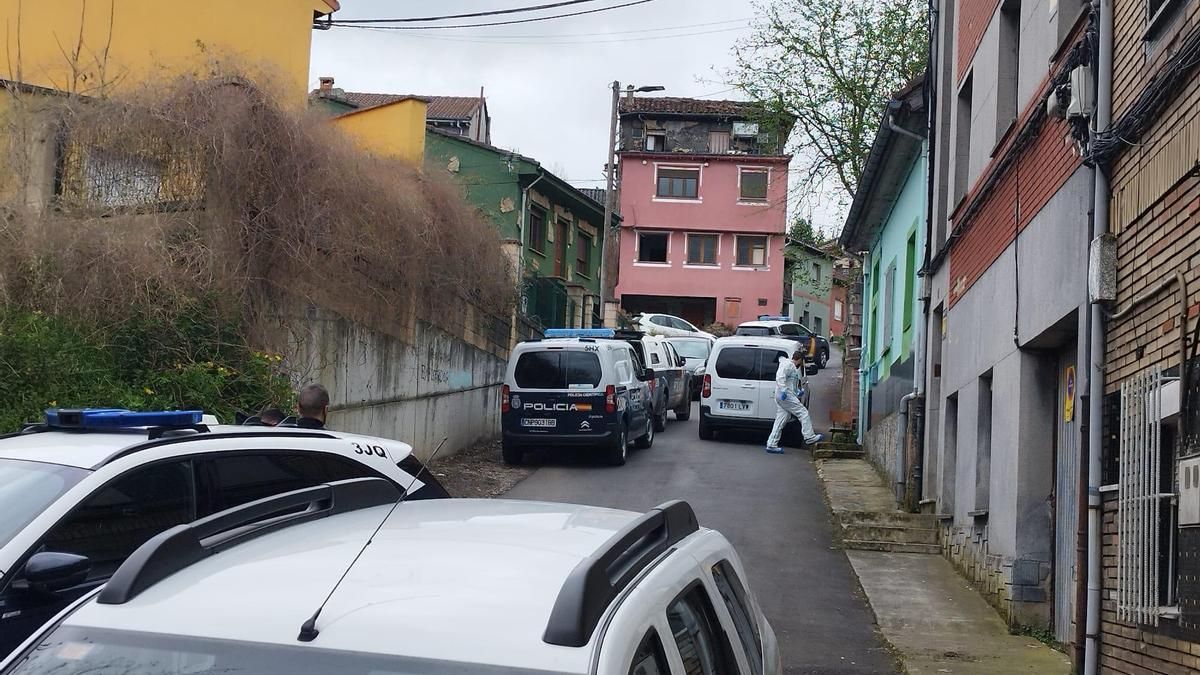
308,630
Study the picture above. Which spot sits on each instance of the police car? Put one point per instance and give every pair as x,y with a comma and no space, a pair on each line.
82,491
577,388
449,586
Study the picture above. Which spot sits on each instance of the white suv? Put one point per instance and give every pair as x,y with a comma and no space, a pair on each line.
79,494
456,586
739,384
667,325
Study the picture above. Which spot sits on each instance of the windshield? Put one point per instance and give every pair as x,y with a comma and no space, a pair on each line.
753,330
692,349
77,650
558,370
27,488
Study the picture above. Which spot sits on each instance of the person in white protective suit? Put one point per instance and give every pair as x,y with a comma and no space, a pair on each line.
787,398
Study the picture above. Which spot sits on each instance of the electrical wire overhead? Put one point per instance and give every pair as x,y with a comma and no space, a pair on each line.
613,33
345,24
472,15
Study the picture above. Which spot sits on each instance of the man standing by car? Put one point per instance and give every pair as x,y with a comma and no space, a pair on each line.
313,407
787,398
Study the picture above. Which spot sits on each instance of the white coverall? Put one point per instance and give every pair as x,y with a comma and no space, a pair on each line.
787,383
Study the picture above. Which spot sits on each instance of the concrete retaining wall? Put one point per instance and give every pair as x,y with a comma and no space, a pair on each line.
880,445
419,388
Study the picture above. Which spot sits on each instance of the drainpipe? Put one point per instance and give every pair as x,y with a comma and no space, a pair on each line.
864,352
1100,196
901,433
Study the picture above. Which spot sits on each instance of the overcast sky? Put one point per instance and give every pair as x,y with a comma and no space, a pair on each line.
547,83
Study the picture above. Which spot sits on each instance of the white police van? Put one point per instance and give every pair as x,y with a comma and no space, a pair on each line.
81,492
578,388
289,584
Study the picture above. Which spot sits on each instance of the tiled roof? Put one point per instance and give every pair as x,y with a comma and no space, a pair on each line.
440,107
674,105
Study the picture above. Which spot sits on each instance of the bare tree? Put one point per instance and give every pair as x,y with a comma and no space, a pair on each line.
831,65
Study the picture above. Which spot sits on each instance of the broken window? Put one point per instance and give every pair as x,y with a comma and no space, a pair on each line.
652,247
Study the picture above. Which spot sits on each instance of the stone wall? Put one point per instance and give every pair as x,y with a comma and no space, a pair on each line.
879,441
1018,589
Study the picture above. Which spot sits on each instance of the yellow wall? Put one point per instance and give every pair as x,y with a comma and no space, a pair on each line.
149,39
394,130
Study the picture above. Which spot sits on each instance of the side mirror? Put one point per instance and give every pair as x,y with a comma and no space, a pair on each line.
647,375
54,571
811,369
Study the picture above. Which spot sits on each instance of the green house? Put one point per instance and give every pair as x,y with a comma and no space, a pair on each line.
550,229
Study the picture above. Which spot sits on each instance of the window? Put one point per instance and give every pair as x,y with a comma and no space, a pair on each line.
702,249
718,142
652,247
656,141
751,251
888,307
678,183
910,279
738,363
789,329
661,320
676,322
649,659
702,644
816,274
28,488
1009,66
757,331
557,369
561,241
816,322
734,595
583,254
537,229
837,310
624,371
122,516
1157,12
983,444
237,479
962,139
753,185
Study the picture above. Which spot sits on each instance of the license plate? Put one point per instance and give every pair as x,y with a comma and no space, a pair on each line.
539,422
734,405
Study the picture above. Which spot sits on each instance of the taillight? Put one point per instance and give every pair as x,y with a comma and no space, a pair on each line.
610,399
504,404
707,391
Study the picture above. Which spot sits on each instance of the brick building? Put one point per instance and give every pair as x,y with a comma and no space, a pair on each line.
1150,619
1005,282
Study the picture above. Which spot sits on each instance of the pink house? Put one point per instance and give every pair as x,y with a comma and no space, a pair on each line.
704,201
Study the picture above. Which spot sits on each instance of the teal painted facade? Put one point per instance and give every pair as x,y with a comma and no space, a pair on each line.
810,271
890,291
551,230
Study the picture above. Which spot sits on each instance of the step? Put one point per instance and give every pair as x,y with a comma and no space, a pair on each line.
891,533
890,546
833,453
921,521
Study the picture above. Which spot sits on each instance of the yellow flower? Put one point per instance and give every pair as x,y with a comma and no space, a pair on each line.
53,404
148,391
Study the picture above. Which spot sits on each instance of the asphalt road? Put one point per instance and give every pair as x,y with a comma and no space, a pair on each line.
769,506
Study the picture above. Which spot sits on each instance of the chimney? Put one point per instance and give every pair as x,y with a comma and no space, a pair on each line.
326,83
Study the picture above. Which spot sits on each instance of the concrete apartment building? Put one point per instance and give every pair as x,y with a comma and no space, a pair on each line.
704,206
1006,279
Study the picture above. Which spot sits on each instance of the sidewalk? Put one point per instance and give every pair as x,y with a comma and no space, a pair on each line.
931,616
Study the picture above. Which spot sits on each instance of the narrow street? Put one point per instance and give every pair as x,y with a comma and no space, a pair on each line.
770,507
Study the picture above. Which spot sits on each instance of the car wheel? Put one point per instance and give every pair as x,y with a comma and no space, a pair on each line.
513,454
684,412
706,429
646,440
660,420
823,359
618,448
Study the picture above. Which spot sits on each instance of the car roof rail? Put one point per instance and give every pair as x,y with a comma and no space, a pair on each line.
599,578
268,432
183,545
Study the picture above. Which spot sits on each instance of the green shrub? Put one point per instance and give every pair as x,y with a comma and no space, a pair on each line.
196,360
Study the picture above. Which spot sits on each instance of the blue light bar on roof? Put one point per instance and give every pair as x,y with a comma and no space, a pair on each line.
773,317
117,418
603,333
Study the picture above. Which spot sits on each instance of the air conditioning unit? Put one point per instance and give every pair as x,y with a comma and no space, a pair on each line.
745,129
1083,93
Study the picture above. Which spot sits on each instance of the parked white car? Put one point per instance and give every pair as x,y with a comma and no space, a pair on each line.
739,384
667,325
81,492
462,586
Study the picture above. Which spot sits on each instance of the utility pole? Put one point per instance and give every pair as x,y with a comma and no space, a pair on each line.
611,183
610,187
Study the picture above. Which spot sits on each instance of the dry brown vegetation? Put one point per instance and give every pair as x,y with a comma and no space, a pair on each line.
199,189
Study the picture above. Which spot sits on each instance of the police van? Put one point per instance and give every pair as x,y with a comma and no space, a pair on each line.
578,388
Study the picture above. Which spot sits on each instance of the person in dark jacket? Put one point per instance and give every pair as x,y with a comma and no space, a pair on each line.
271,417
312,407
